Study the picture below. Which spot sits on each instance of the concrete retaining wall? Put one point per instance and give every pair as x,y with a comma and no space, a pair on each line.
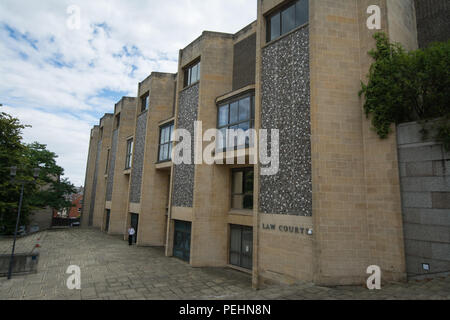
425,182
23,263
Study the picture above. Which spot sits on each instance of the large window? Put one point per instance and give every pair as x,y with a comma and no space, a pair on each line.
129,156
232,116
192,74
242,189
165,143
145,102
287,19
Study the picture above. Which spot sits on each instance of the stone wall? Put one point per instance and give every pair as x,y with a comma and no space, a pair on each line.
425,182
112,166
89,177
183,185
94,184
138,159
244,62
285,105
433,23
23,263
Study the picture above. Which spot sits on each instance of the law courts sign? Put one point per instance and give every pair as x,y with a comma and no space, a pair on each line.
294,229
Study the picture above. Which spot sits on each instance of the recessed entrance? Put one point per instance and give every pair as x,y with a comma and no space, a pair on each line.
241,246
134,222
182,240
108,218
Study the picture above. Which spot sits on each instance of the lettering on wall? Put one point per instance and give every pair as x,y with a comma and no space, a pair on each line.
292,229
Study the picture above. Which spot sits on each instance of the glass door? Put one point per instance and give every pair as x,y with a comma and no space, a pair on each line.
182,240
108,217
135,224
241,246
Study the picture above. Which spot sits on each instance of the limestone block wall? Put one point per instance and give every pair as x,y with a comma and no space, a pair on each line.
126,107
89,178
94,184
425,183
402,23
155,182
106,126
356,188
211,195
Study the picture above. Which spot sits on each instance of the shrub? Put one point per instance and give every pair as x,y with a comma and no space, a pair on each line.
409,86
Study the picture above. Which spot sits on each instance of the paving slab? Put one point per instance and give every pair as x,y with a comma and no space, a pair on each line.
112,270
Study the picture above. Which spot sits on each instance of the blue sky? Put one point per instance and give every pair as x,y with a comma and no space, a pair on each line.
61,80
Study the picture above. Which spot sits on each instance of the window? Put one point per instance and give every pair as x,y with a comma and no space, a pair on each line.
107,161
242,189
165,143
145,101
235,115
129,156
192,74
287,19
117,121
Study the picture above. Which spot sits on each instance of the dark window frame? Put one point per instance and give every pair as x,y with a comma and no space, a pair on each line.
145,102
250,120
117,121
129,154
108,155
187,73
279,13
169,143
246,171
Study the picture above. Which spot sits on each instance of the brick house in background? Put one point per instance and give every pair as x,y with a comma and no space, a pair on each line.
75,210
77,202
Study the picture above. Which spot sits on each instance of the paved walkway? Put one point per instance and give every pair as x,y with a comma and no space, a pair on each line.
110,270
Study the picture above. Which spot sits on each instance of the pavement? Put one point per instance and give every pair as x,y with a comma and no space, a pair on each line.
111,270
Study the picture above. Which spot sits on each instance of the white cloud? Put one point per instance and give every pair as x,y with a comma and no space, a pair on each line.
53,78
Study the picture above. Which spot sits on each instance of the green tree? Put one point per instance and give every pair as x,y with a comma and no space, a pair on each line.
53,190
11,154
409,86
49,190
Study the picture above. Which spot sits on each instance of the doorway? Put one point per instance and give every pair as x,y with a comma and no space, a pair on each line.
134,222
182,240
241,246
108,218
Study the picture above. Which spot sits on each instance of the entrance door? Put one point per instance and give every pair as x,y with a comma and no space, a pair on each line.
135,224
241,246
108,217
182,240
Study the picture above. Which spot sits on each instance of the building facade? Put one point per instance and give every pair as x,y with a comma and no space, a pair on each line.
333,205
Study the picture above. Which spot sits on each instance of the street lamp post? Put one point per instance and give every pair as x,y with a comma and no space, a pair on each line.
13,173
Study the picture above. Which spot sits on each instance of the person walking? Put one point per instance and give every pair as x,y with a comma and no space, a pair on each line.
131,233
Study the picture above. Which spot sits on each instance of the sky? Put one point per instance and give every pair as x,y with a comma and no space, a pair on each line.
60,74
